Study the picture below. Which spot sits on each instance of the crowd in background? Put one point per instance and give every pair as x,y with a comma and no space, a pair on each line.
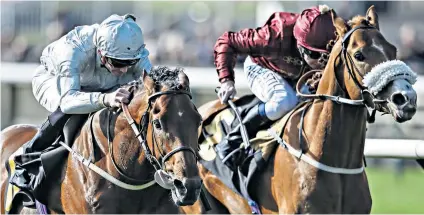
188,38
183,40
170,45
177,39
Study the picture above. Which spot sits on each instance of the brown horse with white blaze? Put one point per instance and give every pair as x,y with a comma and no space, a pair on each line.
362,73
161,144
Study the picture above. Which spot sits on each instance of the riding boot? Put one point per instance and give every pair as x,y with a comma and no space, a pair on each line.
47,133
254,120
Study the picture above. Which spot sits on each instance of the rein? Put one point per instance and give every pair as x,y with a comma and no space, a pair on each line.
368,100
141,133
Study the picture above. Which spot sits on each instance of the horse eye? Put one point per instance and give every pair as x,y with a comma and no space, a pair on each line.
359,56
156,110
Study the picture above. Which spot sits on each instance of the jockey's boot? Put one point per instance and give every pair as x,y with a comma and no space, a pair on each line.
29,179
254,120
47,133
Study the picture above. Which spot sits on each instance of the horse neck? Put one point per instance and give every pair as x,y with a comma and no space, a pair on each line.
127,150
338,130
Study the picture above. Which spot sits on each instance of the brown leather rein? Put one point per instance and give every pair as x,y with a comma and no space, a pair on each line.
141,134
368,100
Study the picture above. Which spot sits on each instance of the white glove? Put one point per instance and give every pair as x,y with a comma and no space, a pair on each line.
227,91
114,99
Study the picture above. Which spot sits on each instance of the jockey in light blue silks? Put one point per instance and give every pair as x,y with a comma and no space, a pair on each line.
80,73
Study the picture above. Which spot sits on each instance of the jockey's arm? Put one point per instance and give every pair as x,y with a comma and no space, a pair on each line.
78,102
73,100
66,61
254,42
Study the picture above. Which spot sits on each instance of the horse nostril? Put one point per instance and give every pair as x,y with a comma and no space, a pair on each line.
399,99
179,184
180,188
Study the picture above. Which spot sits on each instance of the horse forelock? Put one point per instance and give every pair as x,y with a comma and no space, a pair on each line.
358,20
163,78
166,78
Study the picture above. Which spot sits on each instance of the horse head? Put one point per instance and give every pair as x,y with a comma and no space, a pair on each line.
168,123
370,70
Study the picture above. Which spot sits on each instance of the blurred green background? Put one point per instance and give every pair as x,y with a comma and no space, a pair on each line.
396,193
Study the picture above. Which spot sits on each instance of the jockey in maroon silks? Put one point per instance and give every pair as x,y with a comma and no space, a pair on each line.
278,53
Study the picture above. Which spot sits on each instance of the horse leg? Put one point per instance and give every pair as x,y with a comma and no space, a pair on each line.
12,138
285,182
197,208
234,203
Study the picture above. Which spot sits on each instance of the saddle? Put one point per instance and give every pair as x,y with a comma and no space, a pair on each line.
34,188
218,121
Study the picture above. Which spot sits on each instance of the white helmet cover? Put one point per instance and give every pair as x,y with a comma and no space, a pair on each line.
120,37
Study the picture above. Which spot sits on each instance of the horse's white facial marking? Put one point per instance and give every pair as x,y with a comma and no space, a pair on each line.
180,113
379,47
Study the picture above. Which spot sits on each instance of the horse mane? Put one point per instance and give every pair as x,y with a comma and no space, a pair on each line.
162,76
357,20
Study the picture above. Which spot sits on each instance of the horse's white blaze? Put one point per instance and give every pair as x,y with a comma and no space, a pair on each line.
379,47
180,113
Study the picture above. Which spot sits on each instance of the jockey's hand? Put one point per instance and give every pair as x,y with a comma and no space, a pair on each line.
114,99
227,91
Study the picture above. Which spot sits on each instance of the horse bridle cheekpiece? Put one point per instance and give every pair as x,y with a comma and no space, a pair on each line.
161,177
368,100
141,134
374,81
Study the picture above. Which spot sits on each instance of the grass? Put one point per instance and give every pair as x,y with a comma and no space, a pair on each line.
396,194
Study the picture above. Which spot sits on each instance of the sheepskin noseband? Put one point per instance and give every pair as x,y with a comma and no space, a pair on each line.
385,72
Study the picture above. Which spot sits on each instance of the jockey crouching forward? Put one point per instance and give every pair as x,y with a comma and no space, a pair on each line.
80,74
277,52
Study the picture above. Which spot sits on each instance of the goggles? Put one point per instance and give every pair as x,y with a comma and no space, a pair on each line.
121,63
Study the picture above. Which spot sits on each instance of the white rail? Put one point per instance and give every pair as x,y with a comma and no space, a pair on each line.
200,77
394,148
206,78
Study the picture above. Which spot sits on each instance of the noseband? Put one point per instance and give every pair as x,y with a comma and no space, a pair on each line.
141,134
368,98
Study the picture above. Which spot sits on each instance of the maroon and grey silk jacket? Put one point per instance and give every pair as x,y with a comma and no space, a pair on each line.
272,46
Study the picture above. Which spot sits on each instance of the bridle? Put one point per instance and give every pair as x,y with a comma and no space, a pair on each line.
141,134
368,100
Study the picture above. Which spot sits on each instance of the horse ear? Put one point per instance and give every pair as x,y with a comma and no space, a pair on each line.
338,23
148,82
372,17
183,80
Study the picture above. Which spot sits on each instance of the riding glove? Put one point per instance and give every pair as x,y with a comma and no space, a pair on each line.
227,91
116,98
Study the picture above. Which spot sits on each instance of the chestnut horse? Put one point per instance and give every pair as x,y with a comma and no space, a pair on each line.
328,177
165,129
